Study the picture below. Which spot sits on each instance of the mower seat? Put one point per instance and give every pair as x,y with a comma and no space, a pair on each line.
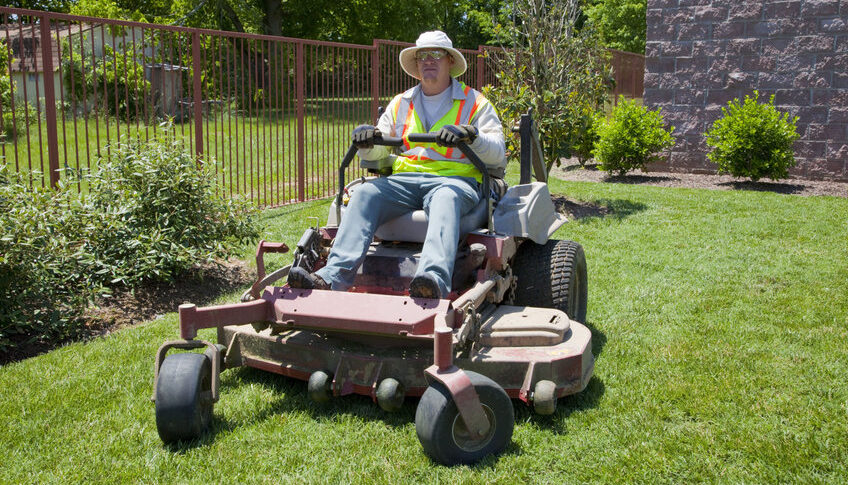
412,226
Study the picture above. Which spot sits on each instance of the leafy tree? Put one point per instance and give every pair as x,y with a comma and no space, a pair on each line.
560,72
620,23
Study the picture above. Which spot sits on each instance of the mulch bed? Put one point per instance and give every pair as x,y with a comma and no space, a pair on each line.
571,170
127,308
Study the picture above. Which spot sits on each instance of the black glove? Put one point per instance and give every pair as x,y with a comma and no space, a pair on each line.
449,135
363,136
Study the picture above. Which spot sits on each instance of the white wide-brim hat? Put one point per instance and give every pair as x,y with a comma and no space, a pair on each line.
435,39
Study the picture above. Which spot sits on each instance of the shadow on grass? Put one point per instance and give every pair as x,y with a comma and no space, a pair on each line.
776,187
637,179
579,210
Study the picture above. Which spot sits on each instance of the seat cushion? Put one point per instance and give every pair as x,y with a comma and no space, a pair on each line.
412,226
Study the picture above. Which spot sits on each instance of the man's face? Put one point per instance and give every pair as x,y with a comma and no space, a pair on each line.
433,70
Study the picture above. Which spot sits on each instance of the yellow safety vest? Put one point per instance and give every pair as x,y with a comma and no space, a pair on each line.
430,157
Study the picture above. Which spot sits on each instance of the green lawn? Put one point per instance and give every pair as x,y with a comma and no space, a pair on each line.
720,327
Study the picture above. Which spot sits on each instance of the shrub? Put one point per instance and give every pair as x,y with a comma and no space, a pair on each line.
753,140
47,278
631,137
149,214
169,217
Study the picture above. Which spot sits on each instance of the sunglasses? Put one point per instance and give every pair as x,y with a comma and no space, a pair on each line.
423,55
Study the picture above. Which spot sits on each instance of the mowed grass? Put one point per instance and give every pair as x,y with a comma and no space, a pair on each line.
720,329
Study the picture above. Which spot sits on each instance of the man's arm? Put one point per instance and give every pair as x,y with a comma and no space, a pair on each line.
489,145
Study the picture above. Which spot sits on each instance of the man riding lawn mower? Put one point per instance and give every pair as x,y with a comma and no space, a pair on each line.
419,284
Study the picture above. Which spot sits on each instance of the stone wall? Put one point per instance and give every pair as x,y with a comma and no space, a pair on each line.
703,53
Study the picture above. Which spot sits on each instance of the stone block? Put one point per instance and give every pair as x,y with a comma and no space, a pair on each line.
793,63
729,30
758,63
793,97
810,149
837,151
653,49
661,31
833,62
824,168
808,114
838,114
836,132
691,65
677,49
697,97
745,11
842,43
658,97
776,47
770,80
782,10
679,16
659,64
814,43
708,48
834,25
812,79
743,47
710,14
723,96
830,97
706,80
693,32
819,8
741,80
662,3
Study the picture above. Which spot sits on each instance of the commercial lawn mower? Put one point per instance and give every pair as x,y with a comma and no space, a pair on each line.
511,329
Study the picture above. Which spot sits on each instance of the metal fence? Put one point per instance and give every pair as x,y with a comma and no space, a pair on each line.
274,113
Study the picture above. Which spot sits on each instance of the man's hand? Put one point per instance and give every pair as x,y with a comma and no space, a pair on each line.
364,135
450,135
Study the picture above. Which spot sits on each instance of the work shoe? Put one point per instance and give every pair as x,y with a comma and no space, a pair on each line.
424,286
304,280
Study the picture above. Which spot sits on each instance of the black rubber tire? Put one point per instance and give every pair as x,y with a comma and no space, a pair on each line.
440,429
184,397
552,275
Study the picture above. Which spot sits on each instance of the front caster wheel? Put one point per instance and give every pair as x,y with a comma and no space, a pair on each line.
184,397
443,434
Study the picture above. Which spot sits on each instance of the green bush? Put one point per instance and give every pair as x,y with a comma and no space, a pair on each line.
150,214
753,140
168,215
631,137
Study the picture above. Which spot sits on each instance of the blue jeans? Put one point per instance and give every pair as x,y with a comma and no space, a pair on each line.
445,199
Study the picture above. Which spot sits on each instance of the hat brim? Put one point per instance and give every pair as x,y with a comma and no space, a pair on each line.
410,65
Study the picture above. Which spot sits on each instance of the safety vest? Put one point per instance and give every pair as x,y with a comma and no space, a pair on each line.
430,157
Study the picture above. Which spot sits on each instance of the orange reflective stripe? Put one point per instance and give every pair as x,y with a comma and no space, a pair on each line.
410,117
449,153
474,108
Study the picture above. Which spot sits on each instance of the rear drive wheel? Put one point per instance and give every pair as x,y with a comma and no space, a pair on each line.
443,433
184,397
552,275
